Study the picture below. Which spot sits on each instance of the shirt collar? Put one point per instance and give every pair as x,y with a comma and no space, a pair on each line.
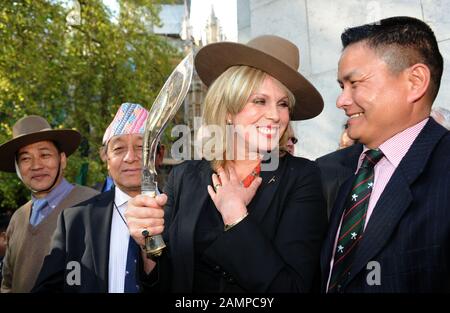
396,147
58,193
120,197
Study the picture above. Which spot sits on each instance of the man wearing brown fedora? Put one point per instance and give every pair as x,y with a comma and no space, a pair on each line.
38,154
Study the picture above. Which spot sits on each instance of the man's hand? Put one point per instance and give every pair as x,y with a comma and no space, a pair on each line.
145,213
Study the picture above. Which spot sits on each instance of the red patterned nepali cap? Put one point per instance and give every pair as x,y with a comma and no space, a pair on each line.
129,119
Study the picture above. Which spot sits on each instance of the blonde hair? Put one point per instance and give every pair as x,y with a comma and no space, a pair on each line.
228,95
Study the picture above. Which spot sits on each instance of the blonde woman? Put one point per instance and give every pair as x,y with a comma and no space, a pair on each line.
249,219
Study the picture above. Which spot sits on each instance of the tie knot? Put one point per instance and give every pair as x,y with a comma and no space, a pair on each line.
36,216
39,204
371,158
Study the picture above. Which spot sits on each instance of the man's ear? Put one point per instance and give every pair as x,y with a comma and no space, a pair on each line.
63,161
419,77
102,153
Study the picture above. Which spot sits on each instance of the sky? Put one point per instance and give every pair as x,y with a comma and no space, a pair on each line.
225,10
113,6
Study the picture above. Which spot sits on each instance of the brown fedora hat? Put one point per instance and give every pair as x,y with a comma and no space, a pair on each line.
31,129
272,54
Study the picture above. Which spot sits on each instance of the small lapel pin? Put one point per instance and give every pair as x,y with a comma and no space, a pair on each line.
272,180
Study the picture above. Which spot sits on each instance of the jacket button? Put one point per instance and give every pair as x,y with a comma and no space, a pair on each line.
224,274
217,268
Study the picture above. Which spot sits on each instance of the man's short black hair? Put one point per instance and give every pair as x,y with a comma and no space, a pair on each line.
402,42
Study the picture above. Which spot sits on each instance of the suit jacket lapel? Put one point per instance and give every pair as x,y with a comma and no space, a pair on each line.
100,231
266,191
396,197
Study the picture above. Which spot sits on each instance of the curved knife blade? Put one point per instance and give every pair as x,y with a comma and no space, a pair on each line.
161,113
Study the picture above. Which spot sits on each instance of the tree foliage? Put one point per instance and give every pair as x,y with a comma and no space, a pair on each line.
74,66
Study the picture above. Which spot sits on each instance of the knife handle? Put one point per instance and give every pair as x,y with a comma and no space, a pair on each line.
154,245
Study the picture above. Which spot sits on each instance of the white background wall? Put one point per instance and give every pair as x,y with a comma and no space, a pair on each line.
315,26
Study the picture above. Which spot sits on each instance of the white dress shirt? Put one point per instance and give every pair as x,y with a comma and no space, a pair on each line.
118,246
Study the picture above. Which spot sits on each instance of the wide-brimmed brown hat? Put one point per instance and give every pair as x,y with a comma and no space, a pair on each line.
31,129
272,54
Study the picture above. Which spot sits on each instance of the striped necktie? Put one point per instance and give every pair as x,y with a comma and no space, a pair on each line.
353,221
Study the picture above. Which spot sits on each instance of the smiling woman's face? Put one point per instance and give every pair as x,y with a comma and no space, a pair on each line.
264,117
124,155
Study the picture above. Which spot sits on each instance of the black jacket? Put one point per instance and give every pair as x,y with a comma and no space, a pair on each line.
275,249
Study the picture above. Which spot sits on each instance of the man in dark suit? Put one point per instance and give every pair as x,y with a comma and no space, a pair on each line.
92,250
390,224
